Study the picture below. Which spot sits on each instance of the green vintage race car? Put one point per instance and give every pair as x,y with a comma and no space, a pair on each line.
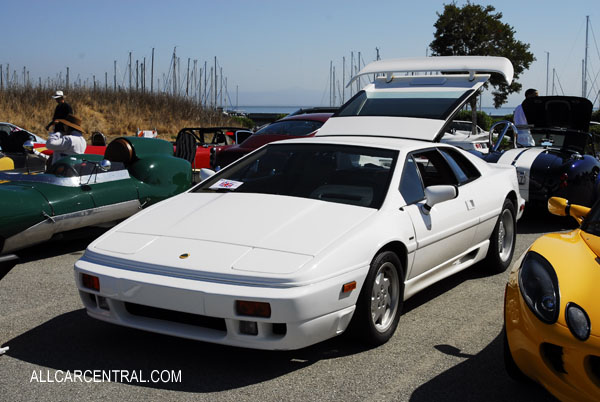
85,190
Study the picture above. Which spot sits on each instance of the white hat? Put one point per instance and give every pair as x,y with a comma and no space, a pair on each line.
58,94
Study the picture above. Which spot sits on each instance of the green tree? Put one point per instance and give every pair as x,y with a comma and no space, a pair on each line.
475,30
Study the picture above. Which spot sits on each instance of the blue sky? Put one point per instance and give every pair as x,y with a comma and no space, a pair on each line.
274,52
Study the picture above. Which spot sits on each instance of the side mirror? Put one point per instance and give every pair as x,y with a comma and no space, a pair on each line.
436,194
561,207
105,165
28,145
206,173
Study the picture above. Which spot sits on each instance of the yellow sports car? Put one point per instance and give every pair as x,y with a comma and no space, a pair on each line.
552,309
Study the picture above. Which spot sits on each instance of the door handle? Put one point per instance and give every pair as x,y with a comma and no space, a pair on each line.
470,204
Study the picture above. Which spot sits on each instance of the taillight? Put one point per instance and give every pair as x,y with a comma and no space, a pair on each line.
563,180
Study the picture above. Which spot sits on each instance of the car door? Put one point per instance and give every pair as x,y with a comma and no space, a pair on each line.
449,228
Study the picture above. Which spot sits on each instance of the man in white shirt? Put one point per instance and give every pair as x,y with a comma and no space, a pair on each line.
70,141
519,115
524,137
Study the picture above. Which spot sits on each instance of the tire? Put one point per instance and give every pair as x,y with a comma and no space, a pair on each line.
502,241
510,365
380,301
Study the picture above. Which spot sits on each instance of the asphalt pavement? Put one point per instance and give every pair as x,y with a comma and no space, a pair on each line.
448,346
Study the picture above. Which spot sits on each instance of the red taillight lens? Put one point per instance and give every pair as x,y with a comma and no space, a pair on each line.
90,282
253,309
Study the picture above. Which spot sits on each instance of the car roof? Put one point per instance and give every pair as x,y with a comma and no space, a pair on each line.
322,117
316,109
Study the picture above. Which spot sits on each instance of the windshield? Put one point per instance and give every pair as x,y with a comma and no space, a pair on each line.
335,173
429,105
297,128
577,141
461,126
562,139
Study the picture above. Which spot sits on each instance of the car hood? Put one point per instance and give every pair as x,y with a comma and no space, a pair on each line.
568,112
232,232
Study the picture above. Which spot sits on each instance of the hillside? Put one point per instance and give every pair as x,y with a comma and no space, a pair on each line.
112,113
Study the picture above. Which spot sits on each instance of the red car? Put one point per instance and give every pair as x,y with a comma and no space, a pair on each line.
303,125
195,143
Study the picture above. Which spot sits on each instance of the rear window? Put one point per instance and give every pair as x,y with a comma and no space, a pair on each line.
428,105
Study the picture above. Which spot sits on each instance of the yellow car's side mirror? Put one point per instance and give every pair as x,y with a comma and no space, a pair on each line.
561,207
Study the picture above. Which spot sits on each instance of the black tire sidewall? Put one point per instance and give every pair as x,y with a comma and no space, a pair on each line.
493,261
363,323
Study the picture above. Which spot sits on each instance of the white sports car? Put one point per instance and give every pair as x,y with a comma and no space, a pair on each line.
305,238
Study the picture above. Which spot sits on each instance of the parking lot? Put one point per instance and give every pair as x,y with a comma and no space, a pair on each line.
448,346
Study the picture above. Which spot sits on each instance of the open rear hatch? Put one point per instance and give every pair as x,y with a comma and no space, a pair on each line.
566,112
413,98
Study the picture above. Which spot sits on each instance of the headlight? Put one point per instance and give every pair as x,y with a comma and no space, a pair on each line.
539,287
578,321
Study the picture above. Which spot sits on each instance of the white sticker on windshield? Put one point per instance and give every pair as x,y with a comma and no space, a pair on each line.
226,184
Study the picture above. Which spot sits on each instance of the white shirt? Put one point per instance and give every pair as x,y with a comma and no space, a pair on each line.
519,116
64,145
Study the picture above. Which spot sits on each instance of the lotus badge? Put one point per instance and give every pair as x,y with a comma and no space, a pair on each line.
184,256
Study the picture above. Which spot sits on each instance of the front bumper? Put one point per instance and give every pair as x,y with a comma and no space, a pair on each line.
205,311
549,353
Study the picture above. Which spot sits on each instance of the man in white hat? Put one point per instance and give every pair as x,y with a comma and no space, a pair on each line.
63,109
68,142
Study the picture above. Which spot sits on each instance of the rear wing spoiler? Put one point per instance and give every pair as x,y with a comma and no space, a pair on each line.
454,64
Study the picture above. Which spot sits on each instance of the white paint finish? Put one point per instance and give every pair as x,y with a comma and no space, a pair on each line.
125,243
385,126
271,262
312,313
295,225
522,159
290,252
446,232
482,64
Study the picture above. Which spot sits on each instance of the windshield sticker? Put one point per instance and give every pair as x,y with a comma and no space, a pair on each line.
226,184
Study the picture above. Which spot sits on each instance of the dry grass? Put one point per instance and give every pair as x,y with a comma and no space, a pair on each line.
112,113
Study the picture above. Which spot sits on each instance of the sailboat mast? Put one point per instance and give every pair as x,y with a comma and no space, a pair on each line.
585,62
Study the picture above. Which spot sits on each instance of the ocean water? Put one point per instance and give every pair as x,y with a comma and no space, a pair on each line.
289,109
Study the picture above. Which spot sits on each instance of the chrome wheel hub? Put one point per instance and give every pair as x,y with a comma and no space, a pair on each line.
385,296
506,230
